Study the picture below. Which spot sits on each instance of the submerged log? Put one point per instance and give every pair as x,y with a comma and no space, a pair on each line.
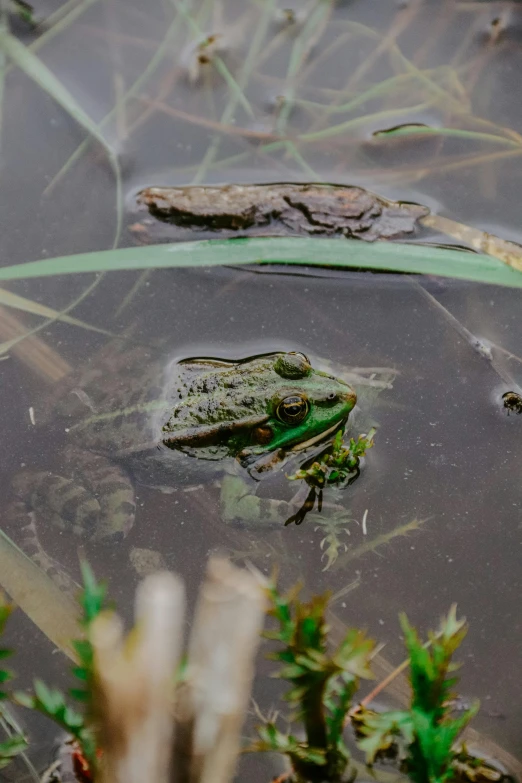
134,687
282,209
135,690
220,669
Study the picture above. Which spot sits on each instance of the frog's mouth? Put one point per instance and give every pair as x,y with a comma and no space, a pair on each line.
317,438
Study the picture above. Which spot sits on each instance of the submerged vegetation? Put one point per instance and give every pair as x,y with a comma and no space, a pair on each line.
424,739
404,104
404,110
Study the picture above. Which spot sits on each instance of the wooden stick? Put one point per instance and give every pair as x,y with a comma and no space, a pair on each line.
32,350
134,689
220,669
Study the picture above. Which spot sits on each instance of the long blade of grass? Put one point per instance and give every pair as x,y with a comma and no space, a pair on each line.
11,726
54,612
426,130
36,70
9,299
11,344
232,84
337,253
4,21
167,42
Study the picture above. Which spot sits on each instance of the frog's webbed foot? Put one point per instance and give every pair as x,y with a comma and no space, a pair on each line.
238,503
23,519
112,488
96,500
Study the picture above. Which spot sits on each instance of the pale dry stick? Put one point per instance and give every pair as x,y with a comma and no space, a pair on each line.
219,127
435,30
134,683
508,252
220,670
32,351
387,41
312,32
410,173
227,116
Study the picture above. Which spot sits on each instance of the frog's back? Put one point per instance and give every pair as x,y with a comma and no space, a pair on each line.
114,404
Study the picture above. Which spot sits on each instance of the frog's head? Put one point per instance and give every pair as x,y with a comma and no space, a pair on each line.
244,409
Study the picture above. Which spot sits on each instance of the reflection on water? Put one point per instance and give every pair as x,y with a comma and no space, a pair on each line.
440,494
258,92
243,91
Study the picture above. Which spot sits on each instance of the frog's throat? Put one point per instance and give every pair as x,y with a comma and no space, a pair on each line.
322,435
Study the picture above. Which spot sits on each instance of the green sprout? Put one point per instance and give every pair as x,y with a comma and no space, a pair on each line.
337,466
322,685
51,702
16,743
424,736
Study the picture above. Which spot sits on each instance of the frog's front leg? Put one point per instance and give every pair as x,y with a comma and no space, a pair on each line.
239,503
95,499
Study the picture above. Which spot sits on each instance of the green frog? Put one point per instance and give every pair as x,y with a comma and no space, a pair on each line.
130,419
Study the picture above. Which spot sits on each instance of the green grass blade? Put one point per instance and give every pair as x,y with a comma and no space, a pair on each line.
36,70
338,253
54,612
9,299
427,130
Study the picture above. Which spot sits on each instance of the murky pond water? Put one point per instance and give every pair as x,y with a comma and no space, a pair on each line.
279,95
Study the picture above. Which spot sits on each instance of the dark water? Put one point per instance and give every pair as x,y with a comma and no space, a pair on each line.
441,489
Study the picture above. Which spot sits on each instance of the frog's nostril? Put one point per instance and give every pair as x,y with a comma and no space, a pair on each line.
350,397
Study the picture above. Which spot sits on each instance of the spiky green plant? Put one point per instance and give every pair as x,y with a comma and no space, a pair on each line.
322,685
338,465
16,743
423,736
51,702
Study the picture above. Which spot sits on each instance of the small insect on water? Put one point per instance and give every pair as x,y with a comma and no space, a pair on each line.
512,402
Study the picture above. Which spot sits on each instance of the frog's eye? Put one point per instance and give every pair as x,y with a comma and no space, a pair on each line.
293,409
292,365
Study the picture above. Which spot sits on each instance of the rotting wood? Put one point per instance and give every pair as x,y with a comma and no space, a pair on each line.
31,350
508,252
220,670
277,209
138,706
286,209
134,687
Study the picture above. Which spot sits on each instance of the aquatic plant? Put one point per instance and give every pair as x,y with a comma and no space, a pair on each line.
424,736
15,743
339,465
322,684
51,702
